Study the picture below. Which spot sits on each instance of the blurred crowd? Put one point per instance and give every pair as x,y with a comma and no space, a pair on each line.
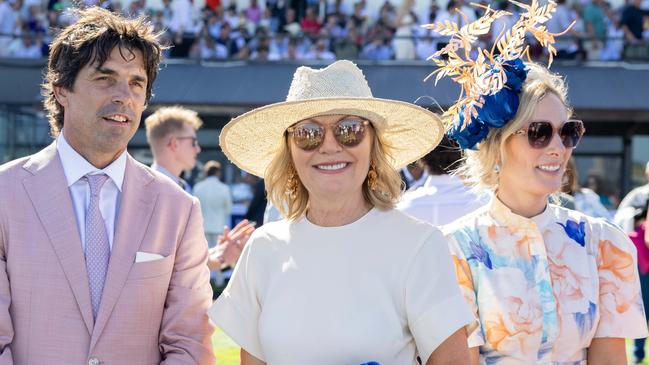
328,29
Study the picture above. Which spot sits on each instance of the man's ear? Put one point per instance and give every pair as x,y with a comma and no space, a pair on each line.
61,95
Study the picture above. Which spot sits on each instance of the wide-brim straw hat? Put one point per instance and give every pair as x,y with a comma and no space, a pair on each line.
251,140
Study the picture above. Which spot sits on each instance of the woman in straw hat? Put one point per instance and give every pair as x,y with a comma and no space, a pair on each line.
549,285
327,285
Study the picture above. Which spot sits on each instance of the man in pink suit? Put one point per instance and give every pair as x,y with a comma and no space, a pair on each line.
102,260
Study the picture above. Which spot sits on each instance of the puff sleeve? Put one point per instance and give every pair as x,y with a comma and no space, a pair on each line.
621,308
434,305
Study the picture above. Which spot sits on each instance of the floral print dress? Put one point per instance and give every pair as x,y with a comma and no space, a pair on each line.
544,287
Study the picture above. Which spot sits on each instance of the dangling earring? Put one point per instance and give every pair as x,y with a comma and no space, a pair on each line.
497,169
372,178
291,184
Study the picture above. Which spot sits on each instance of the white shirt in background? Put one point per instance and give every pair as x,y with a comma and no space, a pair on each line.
442,199
216,204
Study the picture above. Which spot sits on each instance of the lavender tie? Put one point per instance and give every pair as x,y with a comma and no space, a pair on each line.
97,246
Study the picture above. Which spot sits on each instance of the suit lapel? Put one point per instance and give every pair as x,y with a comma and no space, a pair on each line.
48,190
136,207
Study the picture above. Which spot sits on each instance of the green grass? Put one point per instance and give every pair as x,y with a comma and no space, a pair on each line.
227,352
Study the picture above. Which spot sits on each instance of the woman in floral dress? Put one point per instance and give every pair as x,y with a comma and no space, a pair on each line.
549,285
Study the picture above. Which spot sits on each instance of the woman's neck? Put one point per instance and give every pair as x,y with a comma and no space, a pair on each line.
520,202
334,213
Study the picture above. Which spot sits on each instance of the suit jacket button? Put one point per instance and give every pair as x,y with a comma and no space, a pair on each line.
93,361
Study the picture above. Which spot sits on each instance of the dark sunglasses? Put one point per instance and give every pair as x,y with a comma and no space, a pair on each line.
540,134
194,140
349,132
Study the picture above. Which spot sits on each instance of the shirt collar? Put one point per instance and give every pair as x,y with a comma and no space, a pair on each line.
173,177
75,166
440,180
503,215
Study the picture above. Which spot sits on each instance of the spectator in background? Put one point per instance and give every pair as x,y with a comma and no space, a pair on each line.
292,26
632,23
9,23
231,17
29,45
426,46
614,45
406,19
377,50
171,133
444,197
310,24
347,48
585,199
320,52
253,12
257,207
595,27
292,52
339,8
227,41
208,49
635,199
278,10
563,17
640,238
358,17
216,203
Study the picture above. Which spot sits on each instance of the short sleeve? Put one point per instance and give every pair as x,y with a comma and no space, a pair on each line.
434,305
237,309
621,308
465,281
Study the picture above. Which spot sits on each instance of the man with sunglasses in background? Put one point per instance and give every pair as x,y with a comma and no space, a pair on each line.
171,133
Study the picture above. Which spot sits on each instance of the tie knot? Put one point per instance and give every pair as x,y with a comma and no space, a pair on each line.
96,182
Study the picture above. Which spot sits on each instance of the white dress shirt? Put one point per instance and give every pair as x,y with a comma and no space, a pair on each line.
441,200
75,168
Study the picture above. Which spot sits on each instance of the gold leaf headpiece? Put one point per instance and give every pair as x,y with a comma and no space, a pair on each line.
483,75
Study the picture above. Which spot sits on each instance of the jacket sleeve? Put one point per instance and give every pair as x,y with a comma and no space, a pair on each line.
6,324
186,330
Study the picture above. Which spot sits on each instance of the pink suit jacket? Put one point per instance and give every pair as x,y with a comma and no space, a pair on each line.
152,312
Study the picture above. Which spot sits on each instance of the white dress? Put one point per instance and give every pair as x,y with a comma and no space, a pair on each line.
380,289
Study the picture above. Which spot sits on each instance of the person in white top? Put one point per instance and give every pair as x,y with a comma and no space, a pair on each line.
216,202
635,199
444,197
345,279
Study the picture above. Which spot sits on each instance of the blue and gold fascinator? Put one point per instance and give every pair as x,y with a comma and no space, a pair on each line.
490,80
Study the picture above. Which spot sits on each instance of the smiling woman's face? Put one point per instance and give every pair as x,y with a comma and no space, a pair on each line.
332,171
535,173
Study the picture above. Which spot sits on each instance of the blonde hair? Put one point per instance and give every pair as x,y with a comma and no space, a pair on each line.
385,196
479,168
168,120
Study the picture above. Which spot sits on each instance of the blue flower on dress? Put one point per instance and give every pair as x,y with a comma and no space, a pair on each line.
496,111
371,363
576,231
585,321
480,254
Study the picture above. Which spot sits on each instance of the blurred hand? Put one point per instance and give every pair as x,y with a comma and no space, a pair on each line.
229,245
